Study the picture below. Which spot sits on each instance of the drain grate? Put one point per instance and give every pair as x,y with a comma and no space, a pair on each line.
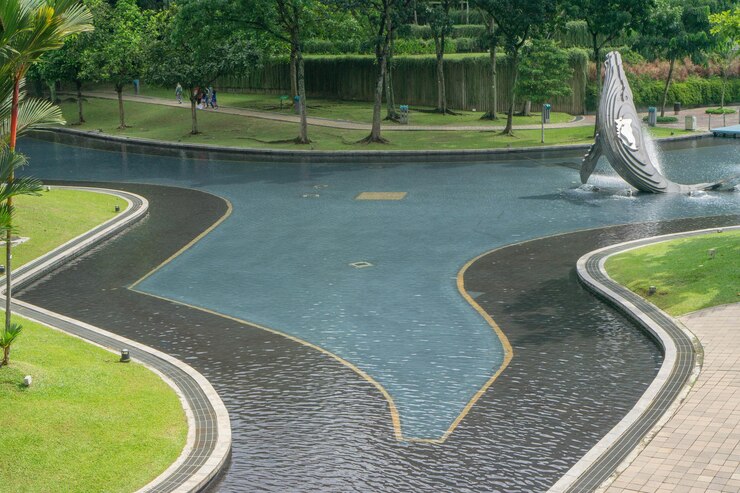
361,264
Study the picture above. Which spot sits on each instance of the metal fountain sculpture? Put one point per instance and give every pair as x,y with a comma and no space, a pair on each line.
621,141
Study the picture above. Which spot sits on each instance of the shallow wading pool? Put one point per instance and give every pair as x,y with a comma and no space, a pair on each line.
377,385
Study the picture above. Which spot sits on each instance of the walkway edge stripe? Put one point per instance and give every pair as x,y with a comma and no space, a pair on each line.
672,337
219,455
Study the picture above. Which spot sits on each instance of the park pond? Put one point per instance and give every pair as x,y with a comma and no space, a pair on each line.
361,263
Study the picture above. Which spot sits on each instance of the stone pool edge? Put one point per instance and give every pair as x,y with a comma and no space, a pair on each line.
289,153
680,368
185,474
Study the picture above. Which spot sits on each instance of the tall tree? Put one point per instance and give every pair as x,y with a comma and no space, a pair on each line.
726,30
67,64
28,29
492,41
180,50
544,72
675,30
288,21
383,15
516,21
437,16
117,54
606,20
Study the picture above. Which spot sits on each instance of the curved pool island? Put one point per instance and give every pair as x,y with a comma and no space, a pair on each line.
311,354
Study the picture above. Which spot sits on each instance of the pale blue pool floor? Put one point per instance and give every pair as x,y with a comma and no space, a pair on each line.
282,258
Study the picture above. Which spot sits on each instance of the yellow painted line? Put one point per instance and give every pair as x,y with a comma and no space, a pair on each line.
229,210
395,417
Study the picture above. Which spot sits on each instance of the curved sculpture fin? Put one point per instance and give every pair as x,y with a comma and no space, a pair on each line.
621,140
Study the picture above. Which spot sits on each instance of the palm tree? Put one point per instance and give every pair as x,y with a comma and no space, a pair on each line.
28,29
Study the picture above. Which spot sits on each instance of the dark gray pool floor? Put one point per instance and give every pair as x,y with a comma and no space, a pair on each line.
304,422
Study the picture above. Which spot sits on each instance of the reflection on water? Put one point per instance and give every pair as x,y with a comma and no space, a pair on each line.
282,260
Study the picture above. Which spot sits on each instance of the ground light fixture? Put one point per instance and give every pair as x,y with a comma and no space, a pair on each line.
652,290
117,208
125,357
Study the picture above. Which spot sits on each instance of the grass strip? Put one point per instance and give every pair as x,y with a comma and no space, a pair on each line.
684,273
87,423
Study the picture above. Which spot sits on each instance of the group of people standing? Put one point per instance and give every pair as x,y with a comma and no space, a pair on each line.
203,98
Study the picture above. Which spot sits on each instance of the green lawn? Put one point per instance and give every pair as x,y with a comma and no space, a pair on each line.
686,278
158,122
88,423
57,216
356,111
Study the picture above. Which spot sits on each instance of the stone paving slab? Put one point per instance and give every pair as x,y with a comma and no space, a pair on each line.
699,448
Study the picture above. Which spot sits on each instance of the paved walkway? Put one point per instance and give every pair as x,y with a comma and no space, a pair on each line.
703,120
587,120
698,450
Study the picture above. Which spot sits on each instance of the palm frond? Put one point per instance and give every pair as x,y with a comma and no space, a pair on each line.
9,335
34,112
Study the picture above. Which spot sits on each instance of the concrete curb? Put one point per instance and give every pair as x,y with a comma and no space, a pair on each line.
208,444
335,155
681,366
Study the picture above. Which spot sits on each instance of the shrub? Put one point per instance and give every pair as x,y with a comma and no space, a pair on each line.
694,91
469,31
473,16
468,45
719,111
662,119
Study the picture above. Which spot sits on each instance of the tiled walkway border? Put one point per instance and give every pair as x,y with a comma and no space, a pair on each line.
209,431
679,371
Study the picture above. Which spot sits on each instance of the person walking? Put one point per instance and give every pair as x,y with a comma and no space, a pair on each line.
178,93
214,103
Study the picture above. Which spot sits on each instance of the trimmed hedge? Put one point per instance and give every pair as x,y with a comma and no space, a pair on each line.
473,16
458,31
694,91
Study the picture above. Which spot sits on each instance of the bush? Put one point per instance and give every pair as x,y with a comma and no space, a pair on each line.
326,47
468,45
662,119
469,31
719,111
419,31
474,16
421,46
694,91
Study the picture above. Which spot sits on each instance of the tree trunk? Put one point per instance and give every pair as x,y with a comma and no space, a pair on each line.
293,75
527,108
492,89
6,356
509,129
303,135
79,102
378,102
193,112
441,91
119,90
52,92
15,100
390,95
667,85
